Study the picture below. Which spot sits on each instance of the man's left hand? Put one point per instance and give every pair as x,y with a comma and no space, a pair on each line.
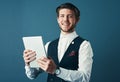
47,64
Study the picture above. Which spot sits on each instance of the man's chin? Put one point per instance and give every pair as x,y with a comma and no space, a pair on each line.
67,30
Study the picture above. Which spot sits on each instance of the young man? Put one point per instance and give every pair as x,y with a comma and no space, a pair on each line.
69,56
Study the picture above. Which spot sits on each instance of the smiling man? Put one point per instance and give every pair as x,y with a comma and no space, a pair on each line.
67,20
69,57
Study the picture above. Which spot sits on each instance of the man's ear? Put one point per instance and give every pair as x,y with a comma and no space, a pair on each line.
57,19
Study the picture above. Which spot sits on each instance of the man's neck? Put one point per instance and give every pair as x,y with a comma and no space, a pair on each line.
66,33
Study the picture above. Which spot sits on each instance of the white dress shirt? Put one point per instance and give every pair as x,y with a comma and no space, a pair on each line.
85,60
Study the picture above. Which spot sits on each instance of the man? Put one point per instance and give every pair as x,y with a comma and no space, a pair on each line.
69,57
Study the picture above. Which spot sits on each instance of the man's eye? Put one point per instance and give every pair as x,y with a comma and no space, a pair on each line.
61,15
70,16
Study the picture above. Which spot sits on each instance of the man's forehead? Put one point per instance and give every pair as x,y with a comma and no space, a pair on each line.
62,11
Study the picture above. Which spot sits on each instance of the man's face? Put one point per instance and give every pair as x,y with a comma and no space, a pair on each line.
67,20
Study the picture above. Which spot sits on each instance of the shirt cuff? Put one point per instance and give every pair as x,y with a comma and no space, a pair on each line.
63,73
27,68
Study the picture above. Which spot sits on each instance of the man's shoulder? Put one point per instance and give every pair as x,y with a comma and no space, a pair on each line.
79,38
55,40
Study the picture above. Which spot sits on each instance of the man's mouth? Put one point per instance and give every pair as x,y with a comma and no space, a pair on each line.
65,24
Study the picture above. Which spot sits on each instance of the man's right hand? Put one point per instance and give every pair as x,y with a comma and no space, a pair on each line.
28,56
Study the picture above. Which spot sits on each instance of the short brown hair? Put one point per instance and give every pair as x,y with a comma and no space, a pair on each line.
69,6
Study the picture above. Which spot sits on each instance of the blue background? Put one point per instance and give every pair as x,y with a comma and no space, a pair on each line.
99,23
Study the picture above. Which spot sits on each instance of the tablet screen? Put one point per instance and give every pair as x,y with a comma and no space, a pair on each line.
35,43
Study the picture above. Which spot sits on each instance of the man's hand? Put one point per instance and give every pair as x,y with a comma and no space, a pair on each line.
47,64
28,56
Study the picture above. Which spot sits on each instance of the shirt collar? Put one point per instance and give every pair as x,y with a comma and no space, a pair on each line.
70,35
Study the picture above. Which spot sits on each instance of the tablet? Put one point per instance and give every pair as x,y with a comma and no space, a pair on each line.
35,43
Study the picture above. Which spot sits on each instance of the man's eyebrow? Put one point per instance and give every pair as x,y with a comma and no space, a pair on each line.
67,14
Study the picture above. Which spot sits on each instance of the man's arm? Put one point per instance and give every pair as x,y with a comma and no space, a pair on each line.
32,73
29,56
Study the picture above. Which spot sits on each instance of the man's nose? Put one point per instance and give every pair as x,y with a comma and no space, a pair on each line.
65,18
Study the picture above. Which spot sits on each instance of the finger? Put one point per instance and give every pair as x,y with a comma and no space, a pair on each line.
44,59
32,58
42,65
26,51
31,54
41,62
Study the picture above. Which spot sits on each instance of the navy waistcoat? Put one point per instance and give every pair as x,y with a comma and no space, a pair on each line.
69,60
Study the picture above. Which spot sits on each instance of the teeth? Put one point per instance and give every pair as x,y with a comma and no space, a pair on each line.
65,24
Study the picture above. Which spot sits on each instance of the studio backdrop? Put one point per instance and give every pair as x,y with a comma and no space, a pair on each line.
99,23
